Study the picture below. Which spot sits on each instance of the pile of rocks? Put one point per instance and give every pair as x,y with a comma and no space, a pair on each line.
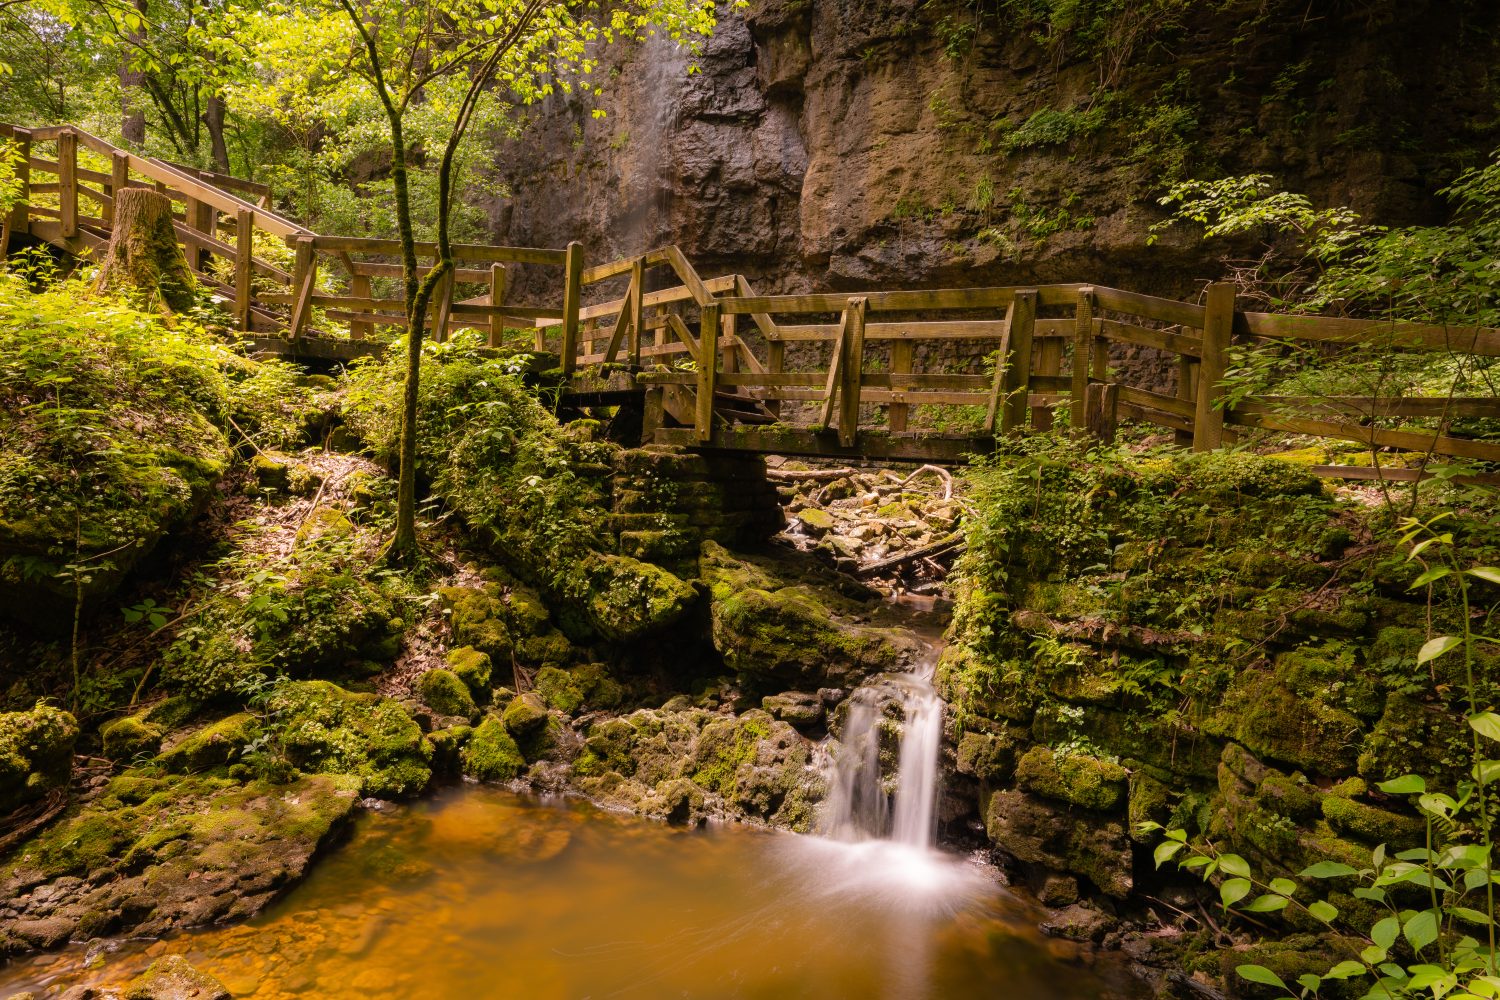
898,530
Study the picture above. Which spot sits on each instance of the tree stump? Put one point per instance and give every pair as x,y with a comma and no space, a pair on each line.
144,262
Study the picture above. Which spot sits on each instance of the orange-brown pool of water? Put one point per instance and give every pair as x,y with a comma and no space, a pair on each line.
481,893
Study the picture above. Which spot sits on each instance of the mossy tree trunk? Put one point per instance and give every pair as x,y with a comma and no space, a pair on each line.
144,262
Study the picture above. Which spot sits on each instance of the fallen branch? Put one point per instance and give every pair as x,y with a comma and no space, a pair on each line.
942,474
951,544
808,475
24,822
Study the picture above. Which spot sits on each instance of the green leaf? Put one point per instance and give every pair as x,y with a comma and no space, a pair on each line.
1234,865
1384,932
1421,930
1486,724
1234,890
1328,869
1283,886
1471,915
1345,970
1323,911
1268,903
1261,974
1373,895
1309,982
1165,850
1433,648
1489,574
1432,575
1407,784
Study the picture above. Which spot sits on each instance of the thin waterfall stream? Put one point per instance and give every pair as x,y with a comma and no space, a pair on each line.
863,803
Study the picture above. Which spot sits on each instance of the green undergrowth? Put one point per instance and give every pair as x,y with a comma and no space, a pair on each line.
533,491
114,425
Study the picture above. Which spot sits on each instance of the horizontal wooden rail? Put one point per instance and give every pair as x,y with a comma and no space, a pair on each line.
461,251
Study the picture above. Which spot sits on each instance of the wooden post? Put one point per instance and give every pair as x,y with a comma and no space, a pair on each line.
572,298
1048,363
1002,363
775,365
637,307
67,181
1103,419
497,299
1083,346
655,414
708,361
20,211
901,354
1018,370
304,278
1187,371
244,251
119,180
729,330
586,334
854,368
1218,325
360,286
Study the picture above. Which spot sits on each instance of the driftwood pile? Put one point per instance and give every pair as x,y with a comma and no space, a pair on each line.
899,531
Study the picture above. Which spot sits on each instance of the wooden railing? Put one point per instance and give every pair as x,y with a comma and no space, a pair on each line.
846,361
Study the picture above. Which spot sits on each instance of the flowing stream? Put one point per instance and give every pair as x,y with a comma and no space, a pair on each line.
479,893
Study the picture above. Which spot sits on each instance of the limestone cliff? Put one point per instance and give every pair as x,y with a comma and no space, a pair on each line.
844,143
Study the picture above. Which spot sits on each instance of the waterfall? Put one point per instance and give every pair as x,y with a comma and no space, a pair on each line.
862,804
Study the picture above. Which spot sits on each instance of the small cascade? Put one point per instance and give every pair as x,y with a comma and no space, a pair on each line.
862,804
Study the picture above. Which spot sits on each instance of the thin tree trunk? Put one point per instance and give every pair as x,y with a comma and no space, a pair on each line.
213,117
132,113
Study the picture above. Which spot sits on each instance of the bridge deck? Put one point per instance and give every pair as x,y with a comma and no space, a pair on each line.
715,365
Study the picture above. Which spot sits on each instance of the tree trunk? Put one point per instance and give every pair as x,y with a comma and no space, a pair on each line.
213,117
132,113
144,262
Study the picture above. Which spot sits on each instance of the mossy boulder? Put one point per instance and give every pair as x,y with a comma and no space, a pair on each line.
491,753
773,630
1039,833
989,757
1370,823
477,616
326,729
525,715
447,746
473,667
1072,777
129,737
171,977
1416,737
213,745
165,852
1273,722
628,600
36,754
446,694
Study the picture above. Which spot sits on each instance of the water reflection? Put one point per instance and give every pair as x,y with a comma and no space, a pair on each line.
479,893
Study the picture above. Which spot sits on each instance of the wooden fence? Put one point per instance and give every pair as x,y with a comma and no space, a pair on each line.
712,357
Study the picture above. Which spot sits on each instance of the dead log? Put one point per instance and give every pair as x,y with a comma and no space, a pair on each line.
950,545
144,263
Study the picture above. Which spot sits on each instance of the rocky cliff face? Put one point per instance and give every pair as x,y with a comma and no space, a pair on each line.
845,144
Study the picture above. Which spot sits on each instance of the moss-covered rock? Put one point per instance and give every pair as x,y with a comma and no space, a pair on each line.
1370,823
629,599
325,729
446,694
447,746
491,753
168,852
473,667
213,745
987,756
771,630
1038,833
477,616
129,737
36,754
1072,777
171,977
1273,722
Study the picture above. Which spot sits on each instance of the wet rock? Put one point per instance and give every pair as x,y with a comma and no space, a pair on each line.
1080,922
213,745
171,977
796,707
987,756
36,754
1039,833
165,853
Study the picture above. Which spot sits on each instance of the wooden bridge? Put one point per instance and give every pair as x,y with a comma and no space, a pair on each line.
711,364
